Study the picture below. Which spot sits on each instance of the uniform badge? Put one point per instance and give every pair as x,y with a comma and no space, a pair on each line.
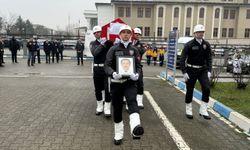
131,52
204,46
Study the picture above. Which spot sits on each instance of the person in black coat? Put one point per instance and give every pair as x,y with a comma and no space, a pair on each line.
13,47
196,64
60,49
32,47
99,49
1,52
124,85
79,51
47,49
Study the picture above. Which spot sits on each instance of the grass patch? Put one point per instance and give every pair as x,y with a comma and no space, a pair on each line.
229,95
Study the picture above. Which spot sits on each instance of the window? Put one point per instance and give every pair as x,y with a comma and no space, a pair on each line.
215,33
175,28
247,32
232,14
176,12
201,14
231,32
225,15
160,12
140,12
189,12
148,12
128,12
141,29
146,31
120,12
187,32
224,32
245,1
248,14
159,31
217,13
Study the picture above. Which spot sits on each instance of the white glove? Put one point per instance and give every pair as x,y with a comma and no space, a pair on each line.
185,76
209,75
117,41
116,76
134,77
103,40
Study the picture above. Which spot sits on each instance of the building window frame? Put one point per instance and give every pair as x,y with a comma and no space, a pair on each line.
215,32
231,32
189,12
148,12
202,12
176,12
247,33
160,12
159,31
225,14
217,13
120,11
232,13
140,12
187,31
128,12
146,31
248,14
224,32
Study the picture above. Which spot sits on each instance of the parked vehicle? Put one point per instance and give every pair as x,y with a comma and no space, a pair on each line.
245,66
180,45
69,44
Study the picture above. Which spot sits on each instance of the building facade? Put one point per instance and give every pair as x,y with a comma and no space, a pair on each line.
223,19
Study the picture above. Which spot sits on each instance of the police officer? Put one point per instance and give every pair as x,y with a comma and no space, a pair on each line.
99,49
121,86
60,49
13,47
140,86
32,47
47,48
79,51
196,64
1,52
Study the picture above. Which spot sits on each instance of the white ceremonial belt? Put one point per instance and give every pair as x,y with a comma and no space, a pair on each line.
194,66
99,65
119,81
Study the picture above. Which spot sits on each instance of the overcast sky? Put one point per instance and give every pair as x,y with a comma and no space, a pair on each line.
51,13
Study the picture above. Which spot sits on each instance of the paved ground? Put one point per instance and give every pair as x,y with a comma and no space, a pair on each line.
53,107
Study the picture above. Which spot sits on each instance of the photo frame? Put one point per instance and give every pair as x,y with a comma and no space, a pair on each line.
125,65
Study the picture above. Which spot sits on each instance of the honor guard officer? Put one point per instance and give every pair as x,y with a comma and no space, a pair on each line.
79,51
99,49
121,86
140,86
196,64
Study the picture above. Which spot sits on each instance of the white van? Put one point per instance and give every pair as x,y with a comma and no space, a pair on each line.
180,45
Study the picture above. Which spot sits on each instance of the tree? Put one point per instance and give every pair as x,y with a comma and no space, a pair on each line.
41,30
19,26
9,23
1,24
29,30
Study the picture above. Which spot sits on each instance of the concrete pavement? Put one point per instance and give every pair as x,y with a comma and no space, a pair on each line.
52,106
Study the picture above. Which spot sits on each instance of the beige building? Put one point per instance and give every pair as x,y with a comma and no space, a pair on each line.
223,19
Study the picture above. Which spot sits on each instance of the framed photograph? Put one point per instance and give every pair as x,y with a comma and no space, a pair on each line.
125,65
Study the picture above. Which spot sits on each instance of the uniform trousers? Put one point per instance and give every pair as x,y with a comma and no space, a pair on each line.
118,90
202,76
140,84
101,83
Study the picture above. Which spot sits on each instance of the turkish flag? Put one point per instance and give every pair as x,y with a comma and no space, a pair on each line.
110,31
